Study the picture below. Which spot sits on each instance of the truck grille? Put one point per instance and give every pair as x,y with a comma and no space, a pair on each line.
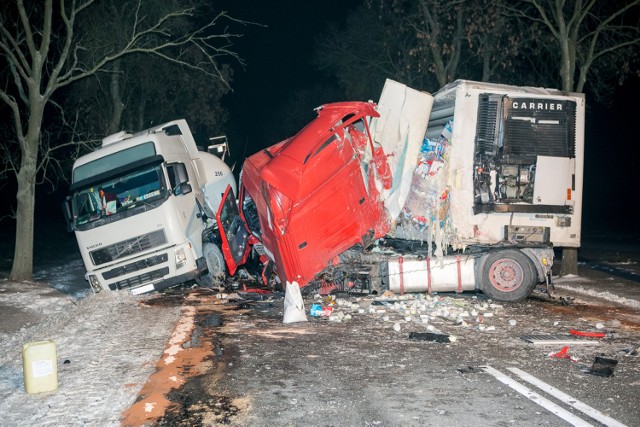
128,247
135,266
140,280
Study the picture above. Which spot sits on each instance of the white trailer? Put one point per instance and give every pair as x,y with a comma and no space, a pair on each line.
498,185
146,209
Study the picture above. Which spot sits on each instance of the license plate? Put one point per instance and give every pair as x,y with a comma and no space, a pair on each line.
142,289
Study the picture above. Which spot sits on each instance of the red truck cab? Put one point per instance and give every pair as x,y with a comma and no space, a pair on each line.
311,197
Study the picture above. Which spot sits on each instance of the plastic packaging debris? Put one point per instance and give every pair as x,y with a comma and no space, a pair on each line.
318,311
293,304
603,367
429,336
330,300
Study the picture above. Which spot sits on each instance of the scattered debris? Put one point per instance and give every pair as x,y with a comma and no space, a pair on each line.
429,336
548,339
469,370
318,311
563,354
588,334
603,367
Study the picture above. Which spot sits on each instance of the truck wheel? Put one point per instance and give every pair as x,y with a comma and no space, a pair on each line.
507,275
215,265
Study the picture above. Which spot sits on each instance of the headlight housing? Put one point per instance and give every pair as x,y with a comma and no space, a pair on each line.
94,283
180,258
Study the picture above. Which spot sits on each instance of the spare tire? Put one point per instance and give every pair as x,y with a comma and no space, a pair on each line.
507,275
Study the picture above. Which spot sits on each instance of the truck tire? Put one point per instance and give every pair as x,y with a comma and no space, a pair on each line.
215,266
507,275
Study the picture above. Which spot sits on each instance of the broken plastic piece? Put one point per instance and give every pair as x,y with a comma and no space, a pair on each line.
603,367
429,336
562,354
588,334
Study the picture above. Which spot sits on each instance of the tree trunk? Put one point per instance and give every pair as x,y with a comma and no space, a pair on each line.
117,106
569,261
22,269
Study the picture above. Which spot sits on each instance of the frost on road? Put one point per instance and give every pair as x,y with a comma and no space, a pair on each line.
107,345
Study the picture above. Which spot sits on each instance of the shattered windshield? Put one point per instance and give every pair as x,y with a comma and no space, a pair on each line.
115,196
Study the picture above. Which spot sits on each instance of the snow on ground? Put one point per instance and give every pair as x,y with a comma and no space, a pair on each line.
608,296
107,346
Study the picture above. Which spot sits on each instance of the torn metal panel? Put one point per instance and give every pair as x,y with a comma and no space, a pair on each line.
404,114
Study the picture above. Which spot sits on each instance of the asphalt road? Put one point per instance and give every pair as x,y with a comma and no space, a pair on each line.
367,371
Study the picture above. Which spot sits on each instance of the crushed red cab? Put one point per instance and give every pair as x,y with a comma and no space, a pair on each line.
313,196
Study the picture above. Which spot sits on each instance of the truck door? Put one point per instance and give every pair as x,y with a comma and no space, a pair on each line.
233,232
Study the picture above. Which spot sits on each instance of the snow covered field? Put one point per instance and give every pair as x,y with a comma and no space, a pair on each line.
107,346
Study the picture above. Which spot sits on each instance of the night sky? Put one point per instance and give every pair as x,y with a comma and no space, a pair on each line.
278,56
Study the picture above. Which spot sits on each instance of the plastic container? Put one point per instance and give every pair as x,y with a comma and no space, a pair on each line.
39,363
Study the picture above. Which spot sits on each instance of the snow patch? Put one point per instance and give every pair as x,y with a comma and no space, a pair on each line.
107,346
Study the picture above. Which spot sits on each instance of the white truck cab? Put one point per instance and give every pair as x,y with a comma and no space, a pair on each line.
143,208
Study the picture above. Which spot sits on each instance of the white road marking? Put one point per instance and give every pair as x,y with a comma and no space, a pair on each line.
535,397
560,395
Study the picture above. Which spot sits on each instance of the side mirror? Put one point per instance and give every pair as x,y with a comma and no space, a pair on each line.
185,188
68,214
181,173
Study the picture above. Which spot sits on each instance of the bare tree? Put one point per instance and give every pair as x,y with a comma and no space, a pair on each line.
43,53
427,44
586,33
370,47
440,32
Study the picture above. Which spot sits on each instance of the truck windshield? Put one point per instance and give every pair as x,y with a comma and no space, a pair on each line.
116,196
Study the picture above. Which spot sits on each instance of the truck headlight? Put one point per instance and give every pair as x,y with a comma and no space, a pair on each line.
181,258
94,283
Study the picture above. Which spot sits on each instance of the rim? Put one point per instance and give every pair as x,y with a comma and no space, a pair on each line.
506,275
